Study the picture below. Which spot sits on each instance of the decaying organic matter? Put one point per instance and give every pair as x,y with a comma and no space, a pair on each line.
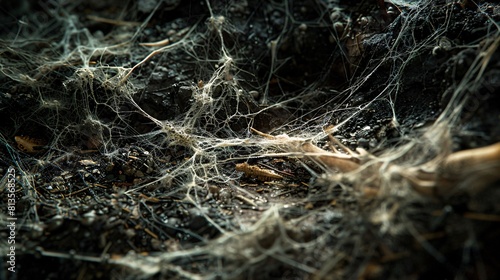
468,170
255,171
29,144
159,160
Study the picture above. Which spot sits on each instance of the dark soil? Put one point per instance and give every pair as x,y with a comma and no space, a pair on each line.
130,180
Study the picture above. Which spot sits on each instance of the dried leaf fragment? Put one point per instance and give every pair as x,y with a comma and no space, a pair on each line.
29,145
259,173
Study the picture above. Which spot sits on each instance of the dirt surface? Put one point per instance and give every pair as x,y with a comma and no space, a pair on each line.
123,124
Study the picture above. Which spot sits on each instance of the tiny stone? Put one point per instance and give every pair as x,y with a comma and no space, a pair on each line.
362,142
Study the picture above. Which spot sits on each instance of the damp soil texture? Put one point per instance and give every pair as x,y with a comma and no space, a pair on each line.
158,139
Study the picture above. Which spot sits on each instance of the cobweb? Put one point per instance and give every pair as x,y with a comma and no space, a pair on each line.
138,114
